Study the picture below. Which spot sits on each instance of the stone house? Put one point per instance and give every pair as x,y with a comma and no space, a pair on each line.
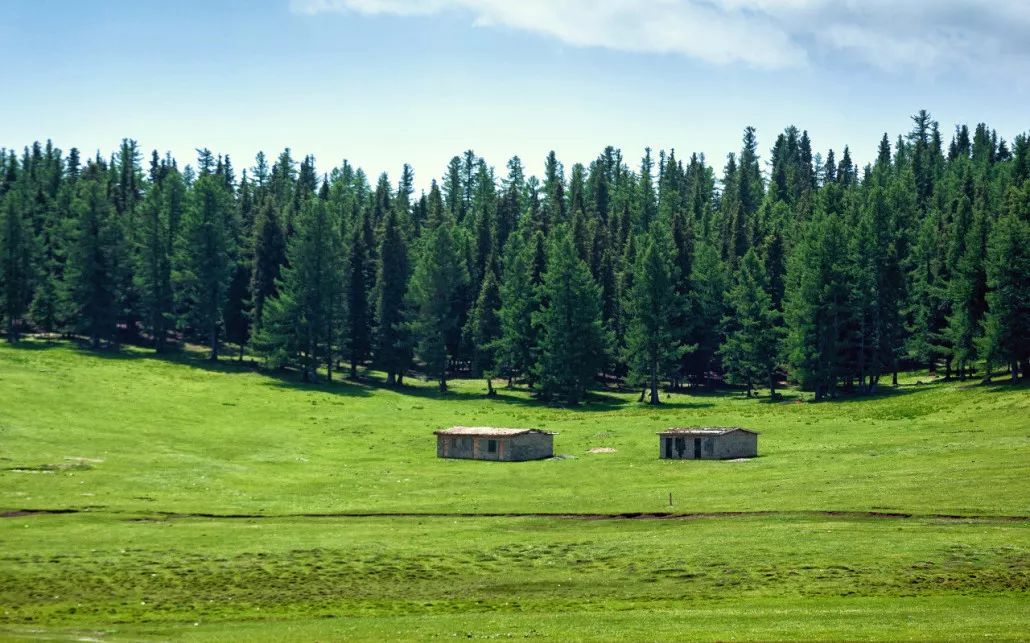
709,443
489,443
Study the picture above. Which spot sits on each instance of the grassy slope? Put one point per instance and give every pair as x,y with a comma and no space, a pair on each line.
184,438
129,435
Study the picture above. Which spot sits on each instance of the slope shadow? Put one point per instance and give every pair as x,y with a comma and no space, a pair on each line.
595,400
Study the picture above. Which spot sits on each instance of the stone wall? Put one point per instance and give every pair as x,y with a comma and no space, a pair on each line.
735,444
528,446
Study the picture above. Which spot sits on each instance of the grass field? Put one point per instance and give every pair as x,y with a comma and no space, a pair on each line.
213,501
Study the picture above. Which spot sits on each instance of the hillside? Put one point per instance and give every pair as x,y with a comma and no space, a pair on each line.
208,495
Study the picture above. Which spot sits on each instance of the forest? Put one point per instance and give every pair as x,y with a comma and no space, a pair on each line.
799,268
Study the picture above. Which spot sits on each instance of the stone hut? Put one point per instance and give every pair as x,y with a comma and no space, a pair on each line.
489,443
708,443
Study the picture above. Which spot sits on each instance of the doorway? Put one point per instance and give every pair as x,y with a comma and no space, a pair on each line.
697,448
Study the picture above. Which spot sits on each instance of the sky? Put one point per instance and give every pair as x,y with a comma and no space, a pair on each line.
384,82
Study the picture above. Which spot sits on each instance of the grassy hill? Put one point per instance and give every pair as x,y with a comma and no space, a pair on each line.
209,496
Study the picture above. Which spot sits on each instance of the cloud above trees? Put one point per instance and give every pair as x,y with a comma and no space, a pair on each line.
889,35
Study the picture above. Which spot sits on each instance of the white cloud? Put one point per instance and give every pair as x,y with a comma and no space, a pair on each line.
888,34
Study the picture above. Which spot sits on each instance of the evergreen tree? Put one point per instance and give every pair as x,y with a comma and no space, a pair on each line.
159,217
436,286
484,329
392,345
1006,326
553,210
269,254
515,345
94,262
572,341
652,341
751,350
16,260
706,301
817,304
301,321
359,290
204,259
968,287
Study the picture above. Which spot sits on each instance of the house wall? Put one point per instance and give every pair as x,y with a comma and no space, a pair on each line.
529,446
736,444
455,446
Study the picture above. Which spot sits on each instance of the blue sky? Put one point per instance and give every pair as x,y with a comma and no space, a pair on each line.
382,82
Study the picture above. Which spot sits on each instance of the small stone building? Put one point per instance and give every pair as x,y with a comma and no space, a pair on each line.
709,443
489,443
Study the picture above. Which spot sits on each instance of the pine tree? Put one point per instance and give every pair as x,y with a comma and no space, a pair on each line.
93,271
817,304
553,210
647,207
515,345
46,310
572,341
359,290
436,286
16,260
1006,325
706,301
269,254
159,217
301,320
204,259
652,339
751,350
484,329
968,287
392,344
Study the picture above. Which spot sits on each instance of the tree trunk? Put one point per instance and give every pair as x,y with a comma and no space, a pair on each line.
353,368
1015,371
391,378
654,384
490,392
443,383
213,338
947,369
772,385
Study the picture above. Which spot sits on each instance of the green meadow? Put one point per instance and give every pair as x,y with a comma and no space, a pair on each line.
175,498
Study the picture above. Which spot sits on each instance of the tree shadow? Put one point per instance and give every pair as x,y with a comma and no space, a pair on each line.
883,392
1002,386
595,401
199,360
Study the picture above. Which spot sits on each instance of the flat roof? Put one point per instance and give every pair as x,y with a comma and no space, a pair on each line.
704,430
488,431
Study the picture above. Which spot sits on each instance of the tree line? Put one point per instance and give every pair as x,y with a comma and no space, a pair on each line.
802,267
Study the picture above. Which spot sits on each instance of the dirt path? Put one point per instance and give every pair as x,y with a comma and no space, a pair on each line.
152,516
